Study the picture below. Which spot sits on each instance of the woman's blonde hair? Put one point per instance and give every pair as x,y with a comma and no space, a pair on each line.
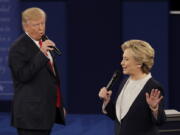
33,13
143,53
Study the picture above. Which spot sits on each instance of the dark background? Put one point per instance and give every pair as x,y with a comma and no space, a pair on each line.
90,32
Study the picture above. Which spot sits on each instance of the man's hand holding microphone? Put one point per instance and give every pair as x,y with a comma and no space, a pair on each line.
47,46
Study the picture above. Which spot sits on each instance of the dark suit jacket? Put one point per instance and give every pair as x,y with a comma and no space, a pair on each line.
139,120
34,102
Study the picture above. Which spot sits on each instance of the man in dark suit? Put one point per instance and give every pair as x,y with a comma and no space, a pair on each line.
37,102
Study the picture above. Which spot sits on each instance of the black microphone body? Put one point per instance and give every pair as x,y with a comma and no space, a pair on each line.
56,50
114,78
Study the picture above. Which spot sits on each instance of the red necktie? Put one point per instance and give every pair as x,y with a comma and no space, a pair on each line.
58,100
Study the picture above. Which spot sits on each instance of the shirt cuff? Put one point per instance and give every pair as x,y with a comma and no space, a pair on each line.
103,108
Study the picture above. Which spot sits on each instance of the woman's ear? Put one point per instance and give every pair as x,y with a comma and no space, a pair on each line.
139,65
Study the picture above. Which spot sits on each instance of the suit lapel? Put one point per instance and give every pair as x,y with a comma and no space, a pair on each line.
120,88
35,49
139,97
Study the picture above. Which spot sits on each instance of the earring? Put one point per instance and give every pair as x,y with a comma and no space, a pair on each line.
139,65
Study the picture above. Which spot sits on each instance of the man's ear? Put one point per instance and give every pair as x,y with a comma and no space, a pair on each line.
24,26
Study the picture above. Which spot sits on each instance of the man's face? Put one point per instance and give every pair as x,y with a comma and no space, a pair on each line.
35,28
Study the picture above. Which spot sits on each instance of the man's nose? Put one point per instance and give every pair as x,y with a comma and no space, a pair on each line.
41,26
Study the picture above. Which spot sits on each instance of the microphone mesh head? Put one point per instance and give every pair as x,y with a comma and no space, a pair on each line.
114,78
117,74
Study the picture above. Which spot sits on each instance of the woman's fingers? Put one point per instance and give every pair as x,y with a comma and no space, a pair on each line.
155,93
109,92
161,97
154,97
103,93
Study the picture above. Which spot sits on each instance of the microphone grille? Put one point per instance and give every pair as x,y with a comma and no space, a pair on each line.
116,74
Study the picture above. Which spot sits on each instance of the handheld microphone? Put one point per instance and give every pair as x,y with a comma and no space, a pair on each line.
114,78
56,50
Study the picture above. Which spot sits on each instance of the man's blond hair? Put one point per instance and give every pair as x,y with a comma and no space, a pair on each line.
33,13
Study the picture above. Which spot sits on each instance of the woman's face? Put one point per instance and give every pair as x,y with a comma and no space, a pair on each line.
129,65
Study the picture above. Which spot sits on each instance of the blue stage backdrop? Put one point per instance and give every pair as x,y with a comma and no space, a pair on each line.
9,29
94,51
174,59
89,32
148,20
